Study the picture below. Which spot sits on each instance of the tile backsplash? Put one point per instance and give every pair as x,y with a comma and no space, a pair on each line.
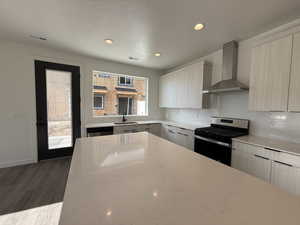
279,125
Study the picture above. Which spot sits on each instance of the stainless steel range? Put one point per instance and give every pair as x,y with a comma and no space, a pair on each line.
215,141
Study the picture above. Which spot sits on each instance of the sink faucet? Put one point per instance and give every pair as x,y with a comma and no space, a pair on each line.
124,119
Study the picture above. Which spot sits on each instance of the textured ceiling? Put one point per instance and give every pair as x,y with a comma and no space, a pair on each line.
141,27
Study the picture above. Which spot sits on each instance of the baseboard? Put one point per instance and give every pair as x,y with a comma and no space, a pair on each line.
17,163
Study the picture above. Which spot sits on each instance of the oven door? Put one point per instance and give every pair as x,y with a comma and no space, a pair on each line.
219,151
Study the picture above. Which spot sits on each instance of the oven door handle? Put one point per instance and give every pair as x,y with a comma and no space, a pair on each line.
213,141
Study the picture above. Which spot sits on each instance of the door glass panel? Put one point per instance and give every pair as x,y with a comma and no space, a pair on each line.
59,107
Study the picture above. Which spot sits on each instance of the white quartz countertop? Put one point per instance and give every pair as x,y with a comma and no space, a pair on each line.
141,179
284,146
172,123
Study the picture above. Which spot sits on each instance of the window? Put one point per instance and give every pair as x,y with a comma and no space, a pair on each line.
98,101
123,94
125,81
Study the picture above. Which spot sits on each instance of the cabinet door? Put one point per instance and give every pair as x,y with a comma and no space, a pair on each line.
142,128
155,129
286,177
194,85
181,138
279,74
258,78
125,129
252,164
185,138
163,91
270,75
181,89
294,92
167,92
172,135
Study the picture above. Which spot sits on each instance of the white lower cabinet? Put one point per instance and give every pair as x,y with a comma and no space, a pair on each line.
151,128
126,129
155,129
177,135
278,168
286,176
253,164
185,138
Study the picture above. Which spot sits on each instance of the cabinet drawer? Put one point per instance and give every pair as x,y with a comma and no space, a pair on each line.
253,150
125,129
141,128
286,177
289,159
185,132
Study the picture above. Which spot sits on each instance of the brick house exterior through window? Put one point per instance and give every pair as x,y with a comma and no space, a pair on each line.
118,94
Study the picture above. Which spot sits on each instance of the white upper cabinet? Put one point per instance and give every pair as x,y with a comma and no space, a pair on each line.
183,88
279,73
258,79
294,93
270,75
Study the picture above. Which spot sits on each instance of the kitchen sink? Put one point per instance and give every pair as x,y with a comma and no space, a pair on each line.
129,122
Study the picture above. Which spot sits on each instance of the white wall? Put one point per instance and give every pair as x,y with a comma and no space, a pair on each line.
269,124
17,95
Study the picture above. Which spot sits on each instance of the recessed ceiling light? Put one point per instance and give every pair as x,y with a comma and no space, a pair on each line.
157,54
108,213
199,26
108,41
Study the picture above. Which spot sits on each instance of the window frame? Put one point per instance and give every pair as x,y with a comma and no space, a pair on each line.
147,80
130,78
100,95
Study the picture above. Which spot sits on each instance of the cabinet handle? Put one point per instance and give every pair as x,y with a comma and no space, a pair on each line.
171,131
182,128
258,156
286,164
182,134
272,149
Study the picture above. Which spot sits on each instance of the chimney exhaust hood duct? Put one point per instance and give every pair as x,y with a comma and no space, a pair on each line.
229,74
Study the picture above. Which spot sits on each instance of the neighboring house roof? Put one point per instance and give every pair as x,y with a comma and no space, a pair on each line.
100,87
126,89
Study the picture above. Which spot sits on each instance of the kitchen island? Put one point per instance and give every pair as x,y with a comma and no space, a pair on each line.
141,179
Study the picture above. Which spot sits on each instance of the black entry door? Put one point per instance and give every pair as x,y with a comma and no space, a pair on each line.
57,108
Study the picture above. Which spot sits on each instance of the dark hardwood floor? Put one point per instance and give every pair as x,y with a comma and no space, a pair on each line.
31,186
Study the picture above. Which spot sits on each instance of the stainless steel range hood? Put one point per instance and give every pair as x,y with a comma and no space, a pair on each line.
229,74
